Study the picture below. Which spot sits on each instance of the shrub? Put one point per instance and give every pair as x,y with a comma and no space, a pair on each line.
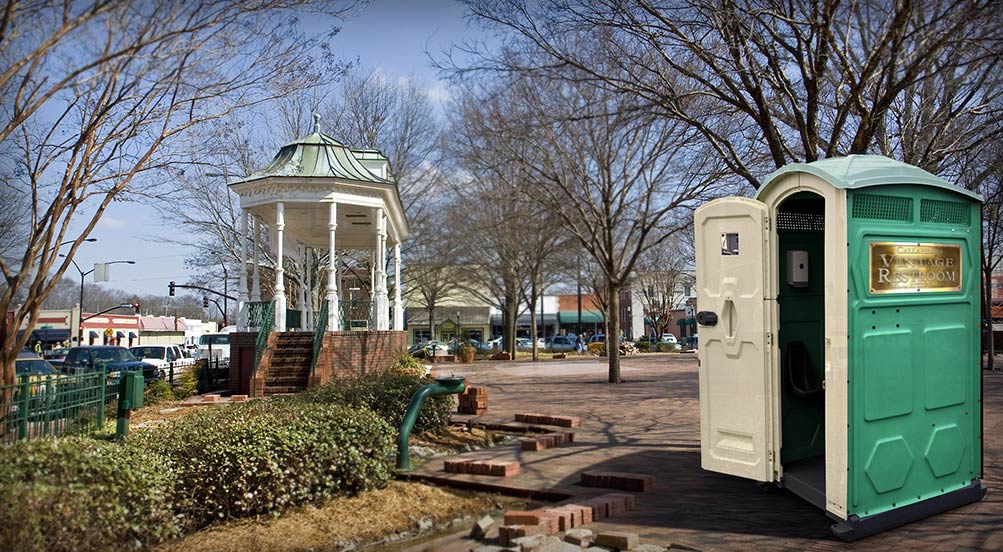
407,364
157,392
264,456
388,394
83,494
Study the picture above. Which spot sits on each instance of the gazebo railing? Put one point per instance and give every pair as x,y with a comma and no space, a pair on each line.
356,314
256,313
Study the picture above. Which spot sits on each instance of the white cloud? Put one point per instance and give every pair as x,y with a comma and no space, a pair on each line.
111,222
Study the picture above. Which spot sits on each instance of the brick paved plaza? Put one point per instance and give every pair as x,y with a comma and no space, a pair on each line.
650,425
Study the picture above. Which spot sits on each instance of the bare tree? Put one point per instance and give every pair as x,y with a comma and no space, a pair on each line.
369,110
619,182
97,94
769,82
660,281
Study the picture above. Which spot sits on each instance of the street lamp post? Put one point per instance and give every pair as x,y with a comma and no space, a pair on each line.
80,327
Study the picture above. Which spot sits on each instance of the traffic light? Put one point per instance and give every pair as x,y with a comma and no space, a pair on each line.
170,289
136,306
205,302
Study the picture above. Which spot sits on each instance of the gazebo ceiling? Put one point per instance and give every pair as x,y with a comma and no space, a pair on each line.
306,223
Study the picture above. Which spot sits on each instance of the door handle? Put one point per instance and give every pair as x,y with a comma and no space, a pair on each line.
707,318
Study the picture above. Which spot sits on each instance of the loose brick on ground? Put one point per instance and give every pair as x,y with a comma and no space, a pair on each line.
520,517
481,528
579,537
483,467
616,539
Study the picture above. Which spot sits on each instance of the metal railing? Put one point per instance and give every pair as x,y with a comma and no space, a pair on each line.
318,335
39,406
264,330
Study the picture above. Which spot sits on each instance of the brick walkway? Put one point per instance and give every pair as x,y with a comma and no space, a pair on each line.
650,424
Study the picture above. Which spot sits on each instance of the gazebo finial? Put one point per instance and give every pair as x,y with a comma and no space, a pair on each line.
316,123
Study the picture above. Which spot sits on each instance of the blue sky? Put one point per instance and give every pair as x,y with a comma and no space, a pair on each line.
388,34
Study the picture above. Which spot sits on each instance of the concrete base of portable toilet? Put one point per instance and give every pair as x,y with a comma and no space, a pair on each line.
840,352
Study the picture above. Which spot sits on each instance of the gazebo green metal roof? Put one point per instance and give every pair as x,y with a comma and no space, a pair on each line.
319,155
862,171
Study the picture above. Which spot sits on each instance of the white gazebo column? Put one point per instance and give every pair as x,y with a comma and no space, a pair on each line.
333,274
398,304
280,272
382,305
256,277
301,296
242,293
309,322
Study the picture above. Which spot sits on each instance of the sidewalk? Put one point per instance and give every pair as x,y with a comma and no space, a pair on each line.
650,425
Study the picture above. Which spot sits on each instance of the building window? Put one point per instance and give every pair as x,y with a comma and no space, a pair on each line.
421,336
446,336
474,333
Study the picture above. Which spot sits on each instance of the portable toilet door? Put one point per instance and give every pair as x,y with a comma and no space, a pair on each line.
822,368
737,396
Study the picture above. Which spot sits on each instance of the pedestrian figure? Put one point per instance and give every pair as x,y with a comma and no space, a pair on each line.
579,345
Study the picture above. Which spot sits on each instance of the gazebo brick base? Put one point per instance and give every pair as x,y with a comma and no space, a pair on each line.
342,354
357,353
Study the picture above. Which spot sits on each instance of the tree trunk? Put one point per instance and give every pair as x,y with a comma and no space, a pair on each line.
613,333
987,316
512,312
532,320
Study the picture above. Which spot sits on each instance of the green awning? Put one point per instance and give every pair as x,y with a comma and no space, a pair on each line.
588,317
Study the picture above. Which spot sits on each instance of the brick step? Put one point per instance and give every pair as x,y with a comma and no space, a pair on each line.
548,440
296,351
285,380
306,339
282,389
547,419
304,373
618,480
297,359
483,467
290,369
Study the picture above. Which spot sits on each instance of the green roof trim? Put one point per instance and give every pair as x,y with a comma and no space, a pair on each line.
864,171
588,317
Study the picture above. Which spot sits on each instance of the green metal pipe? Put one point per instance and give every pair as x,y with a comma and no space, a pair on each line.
442,386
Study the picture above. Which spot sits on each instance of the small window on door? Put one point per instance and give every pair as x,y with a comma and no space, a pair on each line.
729,244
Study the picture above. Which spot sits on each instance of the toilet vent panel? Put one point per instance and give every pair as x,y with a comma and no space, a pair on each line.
950,212
881,207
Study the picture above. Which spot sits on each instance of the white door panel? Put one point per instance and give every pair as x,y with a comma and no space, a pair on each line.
732,254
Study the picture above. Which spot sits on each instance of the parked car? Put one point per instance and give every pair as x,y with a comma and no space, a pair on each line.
671,341
35,368
82,360
56,356
426,349
560,344
164,357
215,346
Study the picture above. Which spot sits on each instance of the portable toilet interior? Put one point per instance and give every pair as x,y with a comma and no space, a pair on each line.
840,340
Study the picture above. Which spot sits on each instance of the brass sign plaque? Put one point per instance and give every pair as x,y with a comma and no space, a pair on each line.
897,267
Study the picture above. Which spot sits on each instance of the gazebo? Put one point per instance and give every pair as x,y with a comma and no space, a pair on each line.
318,198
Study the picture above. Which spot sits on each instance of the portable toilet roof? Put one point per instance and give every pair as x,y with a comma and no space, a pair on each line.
862,171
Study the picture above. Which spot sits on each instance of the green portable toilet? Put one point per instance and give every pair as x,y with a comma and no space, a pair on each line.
839,340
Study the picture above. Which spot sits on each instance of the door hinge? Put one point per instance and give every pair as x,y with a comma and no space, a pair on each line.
769,339
766,223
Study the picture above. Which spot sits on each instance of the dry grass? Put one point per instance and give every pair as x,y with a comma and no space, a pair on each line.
367,518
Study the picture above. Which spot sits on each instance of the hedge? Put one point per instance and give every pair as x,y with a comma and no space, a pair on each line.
388,394
264,456
83,494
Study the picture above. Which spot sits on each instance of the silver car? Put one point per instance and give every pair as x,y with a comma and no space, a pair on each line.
560,344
